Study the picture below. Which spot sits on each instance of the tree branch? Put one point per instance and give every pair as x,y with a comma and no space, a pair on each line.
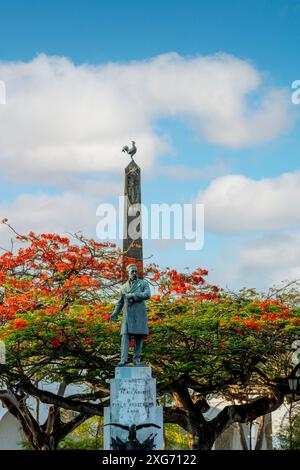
175,415
246,412
62,402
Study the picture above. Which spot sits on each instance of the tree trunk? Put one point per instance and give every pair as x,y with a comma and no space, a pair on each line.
198,441
260,432
243,439
201,434
189,415
41,437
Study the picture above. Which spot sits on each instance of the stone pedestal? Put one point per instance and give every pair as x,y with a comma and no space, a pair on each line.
133,403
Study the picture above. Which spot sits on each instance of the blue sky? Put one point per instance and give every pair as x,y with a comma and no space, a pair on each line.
265,31
263,36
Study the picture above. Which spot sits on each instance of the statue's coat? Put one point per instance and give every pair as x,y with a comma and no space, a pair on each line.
134,321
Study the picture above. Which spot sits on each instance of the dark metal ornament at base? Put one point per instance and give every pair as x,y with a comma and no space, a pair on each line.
148,444
132,442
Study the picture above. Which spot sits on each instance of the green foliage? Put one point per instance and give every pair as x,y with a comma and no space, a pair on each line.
289,437
88,436
59,346
219,344
175,438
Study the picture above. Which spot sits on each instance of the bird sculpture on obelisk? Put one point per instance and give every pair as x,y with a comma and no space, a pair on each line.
132,239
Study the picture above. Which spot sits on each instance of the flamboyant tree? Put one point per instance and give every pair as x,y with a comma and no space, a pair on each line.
55,300
54,323
234,348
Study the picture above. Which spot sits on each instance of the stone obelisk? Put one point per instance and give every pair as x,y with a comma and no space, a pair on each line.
132,239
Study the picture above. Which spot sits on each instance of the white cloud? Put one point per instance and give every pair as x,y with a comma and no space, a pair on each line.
61,119
236,204
44,213
260,262
188,173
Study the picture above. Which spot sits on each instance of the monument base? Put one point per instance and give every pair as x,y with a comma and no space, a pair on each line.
133,421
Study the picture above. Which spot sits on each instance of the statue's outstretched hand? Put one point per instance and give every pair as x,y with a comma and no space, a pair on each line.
112,318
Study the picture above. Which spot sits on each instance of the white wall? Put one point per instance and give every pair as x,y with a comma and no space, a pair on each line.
10,432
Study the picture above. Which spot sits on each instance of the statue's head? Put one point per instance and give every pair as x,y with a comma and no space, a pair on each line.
132,271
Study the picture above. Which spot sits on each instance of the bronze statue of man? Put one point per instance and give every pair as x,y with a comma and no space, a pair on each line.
134,322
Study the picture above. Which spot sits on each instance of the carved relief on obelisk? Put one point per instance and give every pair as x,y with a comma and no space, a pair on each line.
132,240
